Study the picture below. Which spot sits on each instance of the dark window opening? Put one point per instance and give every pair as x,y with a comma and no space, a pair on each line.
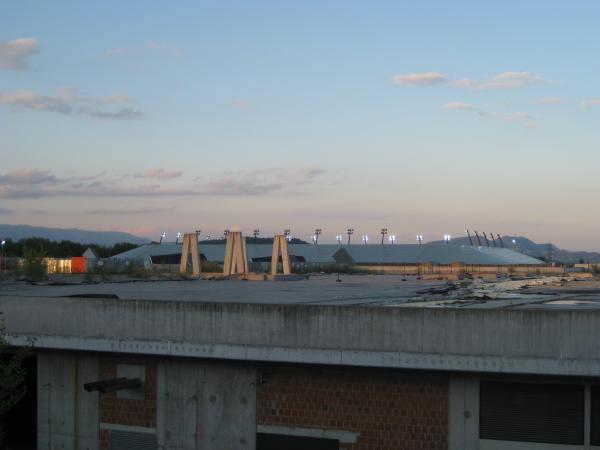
174,258
286,442
527,412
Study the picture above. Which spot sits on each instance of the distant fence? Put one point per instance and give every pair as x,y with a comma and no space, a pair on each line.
458,269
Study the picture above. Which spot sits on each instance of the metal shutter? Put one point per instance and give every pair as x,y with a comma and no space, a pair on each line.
128,440
527,412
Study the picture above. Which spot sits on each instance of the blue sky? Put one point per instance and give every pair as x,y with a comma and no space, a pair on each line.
422,117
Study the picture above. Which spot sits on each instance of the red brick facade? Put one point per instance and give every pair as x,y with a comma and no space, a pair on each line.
114,410
388,410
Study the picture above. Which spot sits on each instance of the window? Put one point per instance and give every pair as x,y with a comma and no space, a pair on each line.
286,442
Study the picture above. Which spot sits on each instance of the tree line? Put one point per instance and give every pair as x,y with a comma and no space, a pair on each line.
61,249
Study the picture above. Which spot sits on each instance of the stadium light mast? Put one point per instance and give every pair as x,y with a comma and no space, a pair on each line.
162,236
178,237
198,234
384,231
365,239
349,232
487,242
447,238
420,238
493,240
338,238
2,256
318,232
287,233
225,233
256,233
469,235
392,238
500,240
478,240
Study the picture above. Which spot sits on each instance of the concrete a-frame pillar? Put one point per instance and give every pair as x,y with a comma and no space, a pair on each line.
190,244
236,259
280,246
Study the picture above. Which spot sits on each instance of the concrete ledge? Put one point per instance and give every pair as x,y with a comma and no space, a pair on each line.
396,360
553,342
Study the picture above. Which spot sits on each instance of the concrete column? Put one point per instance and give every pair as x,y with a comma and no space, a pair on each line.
463,414
190,244
236,255
68,416
280,245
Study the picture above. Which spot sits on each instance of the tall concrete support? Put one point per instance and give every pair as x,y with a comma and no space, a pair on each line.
280,246
236,256
68,416
190,244
208,406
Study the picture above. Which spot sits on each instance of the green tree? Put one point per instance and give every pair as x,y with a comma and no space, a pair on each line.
34,268
12,376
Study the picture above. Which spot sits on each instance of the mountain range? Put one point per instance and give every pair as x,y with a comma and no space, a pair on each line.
108,238
545,251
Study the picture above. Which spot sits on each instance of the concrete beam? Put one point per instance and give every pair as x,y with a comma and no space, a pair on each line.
501,341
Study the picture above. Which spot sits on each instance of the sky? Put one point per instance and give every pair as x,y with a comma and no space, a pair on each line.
422,117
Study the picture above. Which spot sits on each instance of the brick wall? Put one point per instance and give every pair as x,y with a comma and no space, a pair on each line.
388,410
121,411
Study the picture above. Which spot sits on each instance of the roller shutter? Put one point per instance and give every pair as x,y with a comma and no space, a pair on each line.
527,412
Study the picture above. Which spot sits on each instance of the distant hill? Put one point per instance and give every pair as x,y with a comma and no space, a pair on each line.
108,238
545,251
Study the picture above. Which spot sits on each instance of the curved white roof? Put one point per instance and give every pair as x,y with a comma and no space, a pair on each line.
358,253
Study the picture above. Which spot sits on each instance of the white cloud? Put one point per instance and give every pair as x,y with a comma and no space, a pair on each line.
548,101
14,54
32,184
457,106
509,80
504,80
160,173
419,79
591,102
66,101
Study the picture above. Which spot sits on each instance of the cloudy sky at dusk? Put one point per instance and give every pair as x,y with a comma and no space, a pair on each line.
423,117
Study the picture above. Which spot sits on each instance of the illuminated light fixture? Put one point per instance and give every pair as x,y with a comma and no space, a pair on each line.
349,232
178,237
420,238
384,231
365,239
318,232
225,233
338,238
198,233
162,236
287,234
447,238
392,238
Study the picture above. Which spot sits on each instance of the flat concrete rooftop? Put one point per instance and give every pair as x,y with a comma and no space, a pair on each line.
543,326
357,290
